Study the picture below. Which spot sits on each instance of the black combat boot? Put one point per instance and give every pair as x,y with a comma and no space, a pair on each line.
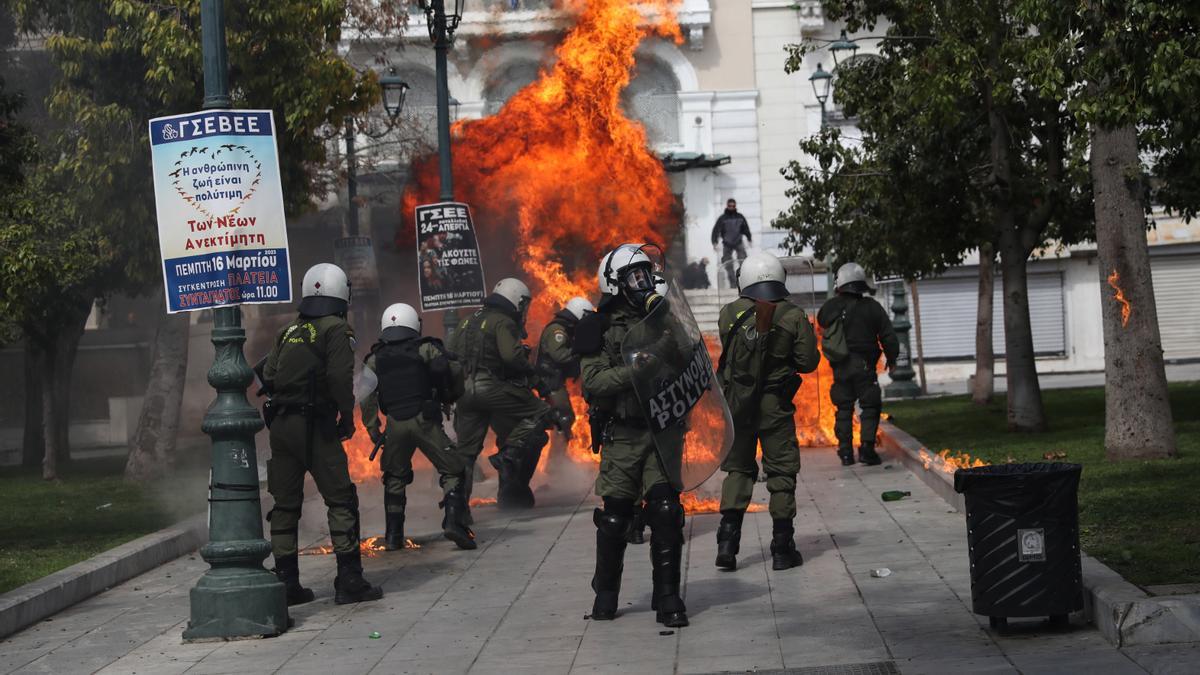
729,539
784,555
867,455
846,454
287,570
610,562
349,586
453,528
637,527
666,556
393,513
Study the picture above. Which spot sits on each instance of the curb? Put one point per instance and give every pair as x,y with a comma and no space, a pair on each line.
1121,611
39,599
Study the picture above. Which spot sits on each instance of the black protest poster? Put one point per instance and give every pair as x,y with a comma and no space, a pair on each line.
674,398
449,269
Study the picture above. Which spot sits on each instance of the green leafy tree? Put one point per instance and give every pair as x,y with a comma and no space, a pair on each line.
957,65
123,62
1131,75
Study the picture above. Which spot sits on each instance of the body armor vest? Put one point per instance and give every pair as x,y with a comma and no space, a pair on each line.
405,383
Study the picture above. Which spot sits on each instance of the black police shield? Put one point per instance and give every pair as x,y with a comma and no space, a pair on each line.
677,389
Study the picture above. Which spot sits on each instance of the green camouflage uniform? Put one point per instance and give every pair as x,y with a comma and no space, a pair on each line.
791,348
315,352
404,437
629,465
497,392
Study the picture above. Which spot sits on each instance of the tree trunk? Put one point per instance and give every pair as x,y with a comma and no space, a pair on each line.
985,354
152,448
1137,419
1025,411
917,326
50,411
33,442
68,348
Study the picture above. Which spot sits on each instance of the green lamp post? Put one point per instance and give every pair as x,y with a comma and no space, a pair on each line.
902,385
236,597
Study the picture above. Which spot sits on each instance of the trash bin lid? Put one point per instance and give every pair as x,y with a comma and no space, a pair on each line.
1027,473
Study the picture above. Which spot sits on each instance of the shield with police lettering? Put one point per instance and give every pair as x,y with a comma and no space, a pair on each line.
671,365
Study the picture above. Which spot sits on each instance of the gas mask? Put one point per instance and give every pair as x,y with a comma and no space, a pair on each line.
638,287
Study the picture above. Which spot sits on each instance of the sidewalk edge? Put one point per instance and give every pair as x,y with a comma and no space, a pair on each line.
39,599
1121,611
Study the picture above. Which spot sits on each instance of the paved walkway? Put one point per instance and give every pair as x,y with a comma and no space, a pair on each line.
517,604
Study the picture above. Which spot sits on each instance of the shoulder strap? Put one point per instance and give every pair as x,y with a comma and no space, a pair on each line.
728,338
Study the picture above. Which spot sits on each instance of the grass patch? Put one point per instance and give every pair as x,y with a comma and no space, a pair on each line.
48,526
1139,517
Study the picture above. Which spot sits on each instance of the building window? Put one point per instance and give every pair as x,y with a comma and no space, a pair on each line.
652,98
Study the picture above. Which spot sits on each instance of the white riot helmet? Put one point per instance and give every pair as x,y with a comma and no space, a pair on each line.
761,277
325,291
400,315
578,306
850,273
515,291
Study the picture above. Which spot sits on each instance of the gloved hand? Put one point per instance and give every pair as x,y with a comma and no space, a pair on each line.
375,434
345,427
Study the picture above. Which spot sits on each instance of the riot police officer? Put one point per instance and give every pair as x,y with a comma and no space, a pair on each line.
498,393
310,376
867,329
630,470
415,378
557,362
766,342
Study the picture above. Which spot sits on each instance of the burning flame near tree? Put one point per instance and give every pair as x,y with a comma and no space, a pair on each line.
1114,280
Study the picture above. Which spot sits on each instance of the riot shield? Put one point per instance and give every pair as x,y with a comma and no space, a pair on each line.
677,389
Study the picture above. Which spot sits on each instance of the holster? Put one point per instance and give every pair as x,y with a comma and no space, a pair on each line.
600,424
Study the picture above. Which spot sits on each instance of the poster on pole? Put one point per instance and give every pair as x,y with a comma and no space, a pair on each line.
449,269
221,229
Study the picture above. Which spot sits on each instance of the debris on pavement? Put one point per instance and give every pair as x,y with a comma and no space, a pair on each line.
881,573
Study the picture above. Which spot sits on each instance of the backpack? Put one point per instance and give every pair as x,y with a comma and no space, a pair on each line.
744,352
833,338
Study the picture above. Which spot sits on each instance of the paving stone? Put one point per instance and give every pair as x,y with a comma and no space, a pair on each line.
517,604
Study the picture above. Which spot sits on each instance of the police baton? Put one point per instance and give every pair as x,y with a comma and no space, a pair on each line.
378,445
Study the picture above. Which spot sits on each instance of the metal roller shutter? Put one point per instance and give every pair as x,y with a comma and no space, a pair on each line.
948,309
1176,279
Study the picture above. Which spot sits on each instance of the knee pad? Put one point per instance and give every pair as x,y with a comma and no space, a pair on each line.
664,514
610,524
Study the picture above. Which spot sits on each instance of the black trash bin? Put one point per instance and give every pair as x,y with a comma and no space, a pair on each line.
1023,534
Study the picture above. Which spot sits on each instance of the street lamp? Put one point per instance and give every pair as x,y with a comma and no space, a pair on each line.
822,83
236,597
395,90
843,44
442,25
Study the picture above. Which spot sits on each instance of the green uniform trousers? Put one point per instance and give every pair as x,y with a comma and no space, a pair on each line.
514,413
285,482
776,431
629,464
560,401
404,437
855,381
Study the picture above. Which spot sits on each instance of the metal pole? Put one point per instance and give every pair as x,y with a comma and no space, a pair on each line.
829,292
902,385
236,597
351,182
440,46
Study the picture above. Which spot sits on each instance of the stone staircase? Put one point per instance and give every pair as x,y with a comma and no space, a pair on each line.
706,306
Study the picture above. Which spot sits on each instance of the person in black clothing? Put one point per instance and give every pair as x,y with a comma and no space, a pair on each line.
869,334
730,228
